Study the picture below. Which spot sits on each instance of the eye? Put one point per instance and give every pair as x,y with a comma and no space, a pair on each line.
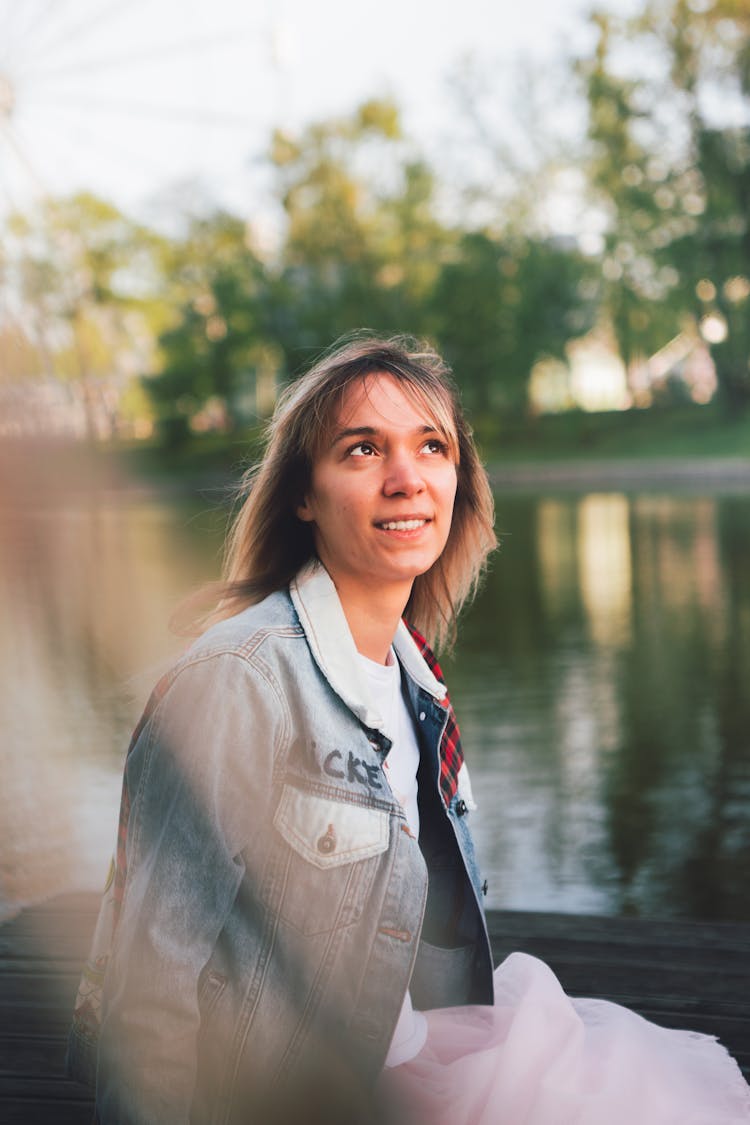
435,445
361,449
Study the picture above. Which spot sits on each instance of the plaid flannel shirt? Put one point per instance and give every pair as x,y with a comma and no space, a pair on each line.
451,753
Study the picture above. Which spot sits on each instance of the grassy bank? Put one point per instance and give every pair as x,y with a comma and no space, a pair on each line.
44,466
210,457
677,432
686,432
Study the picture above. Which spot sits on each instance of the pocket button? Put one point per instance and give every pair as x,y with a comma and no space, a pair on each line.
327,843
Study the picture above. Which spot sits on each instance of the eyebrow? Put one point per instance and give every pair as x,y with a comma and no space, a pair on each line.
372,431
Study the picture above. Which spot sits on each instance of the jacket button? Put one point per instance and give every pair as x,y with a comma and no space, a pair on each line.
485,887
422,716
327,843
461,809
399,935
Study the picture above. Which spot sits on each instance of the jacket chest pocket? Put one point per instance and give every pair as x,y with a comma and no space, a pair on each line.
330,858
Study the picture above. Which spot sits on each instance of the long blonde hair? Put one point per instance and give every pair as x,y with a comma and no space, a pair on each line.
268,543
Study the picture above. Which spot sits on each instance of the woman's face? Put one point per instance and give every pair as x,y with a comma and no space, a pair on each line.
382,491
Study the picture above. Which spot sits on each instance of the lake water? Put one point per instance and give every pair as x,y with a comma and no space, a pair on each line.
600,680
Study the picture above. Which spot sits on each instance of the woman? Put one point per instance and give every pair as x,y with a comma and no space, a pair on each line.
295,884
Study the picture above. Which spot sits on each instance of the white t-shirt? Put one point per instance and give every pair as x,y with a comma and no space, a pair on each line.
400,768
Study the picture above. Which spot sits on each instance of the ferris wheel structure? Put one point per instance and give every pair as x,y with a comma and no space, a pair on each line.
126,97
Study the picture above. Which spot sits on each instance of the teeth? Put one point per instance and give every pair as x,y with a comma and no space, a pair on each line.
403,525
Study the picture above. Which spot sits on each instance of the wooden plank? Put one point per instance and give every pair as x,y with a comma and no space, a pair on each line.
42,1088
517,929
30,986
23,1056
42,933
41,1111
679,974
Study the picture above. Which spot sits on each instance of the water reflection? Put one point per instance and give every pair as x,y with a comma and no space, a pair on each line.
604,567
604,704
87,584
600,687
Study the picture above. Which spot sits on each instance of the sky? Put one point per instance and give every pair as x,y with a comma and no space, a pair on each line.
136,100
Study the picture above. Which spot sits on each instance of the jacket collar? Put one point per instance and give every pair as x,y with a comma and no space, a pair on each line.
321,615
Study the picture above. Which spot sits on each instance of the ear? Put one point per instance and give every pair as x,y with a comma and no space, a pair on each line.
305,512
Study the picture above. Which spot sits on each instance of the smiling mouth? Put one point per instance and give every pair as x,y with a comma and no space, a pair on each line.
401,525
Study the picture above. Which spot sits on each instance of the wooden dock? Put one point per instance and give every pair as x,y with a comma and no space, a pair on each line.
681,974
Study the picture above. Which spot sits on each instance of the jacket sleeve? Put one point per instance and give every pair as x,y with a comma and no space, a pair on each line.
196,774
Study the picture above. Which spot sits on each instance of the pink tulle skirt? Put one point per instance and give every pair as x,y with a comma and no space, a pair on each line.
539,1058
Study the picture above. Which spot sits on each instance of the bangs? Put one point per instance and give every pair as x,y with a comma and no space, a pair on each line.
437,406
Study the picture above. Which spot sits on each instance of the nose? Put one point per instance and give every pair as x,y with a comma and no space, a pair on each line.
403,477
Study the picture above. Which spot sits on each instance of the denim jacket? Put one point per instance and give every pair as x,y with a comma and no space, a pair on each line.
276,905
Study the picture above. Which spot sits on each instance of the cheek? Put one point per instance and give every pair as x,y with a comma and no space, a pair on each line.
335,510
338,511
447,492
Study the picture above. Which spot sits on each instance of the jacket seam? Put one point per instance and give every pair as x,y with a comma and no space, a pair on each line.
155,727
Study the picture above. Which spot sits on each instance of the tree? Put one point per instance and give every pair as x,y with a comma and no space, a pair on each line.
503,304
362,244
668,101
80,273
216,335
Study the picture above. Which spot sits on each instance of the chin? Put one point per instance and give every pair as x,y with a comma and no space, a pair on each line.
417,569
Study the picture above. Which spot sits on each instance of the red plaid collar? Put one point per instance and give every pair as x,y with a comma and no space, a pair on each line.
451,754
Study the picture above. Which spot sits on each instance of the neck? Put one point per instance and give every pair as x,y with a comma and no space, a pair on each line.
373,621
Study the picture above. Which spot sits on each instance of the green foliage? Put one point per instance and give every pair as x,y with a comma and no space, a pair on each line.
78,254
209,351
369,237
503,304
362,244
675,180
81,272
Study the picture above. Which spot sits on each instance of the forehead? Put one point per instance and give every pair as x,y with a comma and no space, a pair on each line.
380,400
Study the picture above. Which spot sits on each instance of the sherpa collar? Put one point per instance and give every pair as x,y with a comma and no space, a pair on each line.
322,617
